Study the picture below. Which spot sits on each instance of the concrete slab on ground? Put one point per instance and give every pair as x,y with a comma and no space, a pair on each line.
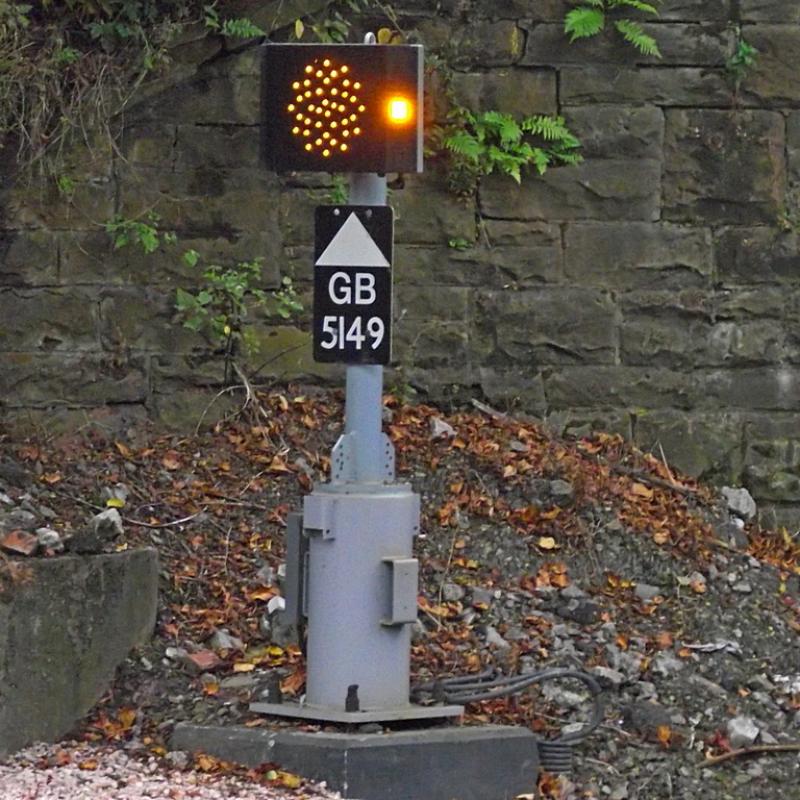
446,763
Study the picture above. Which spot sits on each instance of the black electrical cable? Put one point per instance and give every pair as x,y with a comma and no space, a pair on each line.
555,755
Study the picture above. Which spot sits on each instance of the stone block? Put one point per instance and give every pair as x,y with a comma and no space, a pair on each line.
46,320
724,166
90,258
452,763
521,92
793,146
702,445
637,254
589,83
443,266
87,379
427,213
143,319
548,326
611,189
28,258
701,45
695,10
433,345
618,386
62,635
769,388
618,131
431,303
202,202
204,98
216,147
773,80
114,420
149,145
38,204
769,11
762,301
751,255
582,422
515,387
479,43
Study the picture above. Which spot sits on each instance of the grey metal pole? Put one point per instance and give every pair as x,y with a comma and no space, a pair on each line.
364,387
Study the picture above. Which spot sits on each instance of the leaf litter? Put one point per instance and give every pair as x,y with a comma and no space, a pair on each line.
536,550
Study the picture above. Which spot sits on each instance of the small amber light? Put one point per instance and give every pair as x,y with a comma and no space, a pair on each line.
345,133
309,68
399,110
345,94
326,81
318,142
344,148
296,85
345,68
290,107
334,91
326,62
334,73
326,102
306,132
326,135
307,93
361,108
299,98
356,85
356,131
342,107
295,130
345,82
319,73
326,153
309,146
334,142
318,92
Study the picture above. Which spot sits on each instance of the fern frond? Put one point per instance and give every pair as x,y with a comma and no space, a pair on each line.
648,8
464,144
541,160
550,128
583,22
633,34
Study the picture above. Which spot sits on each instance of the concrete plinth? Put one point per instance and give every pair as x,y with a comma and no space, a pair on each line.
451,763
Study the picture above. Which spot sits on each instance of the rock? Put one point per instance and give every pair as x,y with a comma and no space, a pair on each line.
5,499
740,502
644,591
572,592
667,664
49,539
102,528
584,612
276,603
742,587
20,543
742,731
244,681
441,429
481,595
266,575
494,639
202,661
221,639
707,685
17,519
452,592
561,491
646,717
608,678
14,474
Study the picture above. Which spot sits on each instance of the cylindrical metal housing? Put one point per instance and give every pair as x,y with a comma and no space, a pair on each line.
360,593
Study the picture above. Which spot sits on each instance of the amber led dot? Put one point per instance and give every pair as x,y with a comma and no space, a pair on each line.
326,153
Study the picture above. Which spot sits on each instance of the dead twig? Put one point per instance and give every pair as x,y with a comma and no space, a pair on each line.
162,524
488,410
652,480
791,747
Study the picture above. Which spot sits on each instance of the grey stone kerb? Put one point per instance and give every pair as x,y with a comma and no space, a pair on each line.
63,631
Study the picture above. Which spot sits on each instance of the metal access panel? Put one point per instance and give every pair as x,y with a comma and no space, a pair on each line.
342,107
353,284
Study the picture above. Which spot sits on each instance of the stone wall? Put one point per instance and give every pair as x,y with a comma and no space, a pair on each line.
653,290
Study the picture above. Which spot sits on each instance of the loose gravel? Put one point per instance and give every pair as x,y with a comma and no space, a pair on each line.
63,772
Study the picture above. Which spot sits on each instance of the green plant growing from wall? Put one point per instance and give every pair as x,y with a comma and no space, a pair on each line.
591,16
482,143
142,232
221,308
742,61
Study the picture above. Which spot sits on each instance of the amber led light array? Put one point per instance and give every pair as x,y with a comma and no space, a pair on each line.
342,108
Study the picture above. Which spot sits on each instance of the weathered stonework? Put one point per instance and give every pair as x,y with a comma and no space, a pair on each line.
654,290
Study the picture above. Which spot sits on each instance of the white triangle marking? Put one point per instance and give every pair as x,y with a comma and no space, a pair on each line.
352,247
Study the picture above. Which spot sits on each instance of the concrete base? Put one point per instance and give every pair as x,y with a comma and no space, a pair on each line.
453,763
323,714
